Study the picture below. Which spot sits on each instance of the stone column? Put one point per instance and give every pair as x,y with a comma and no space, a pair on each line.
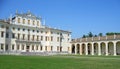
99,49
75,49
106,48
114,48
86,49
92,48
80,49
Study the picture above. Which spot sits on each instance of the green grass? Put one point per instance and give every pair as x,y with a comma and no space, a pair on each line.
59,62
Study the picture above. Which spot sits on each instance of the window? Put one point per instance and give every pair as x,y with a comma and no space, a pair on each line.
2,34
45,48
46,38
41,38
28,37
18,36
37,38
7,35
7,28
2,46
13,47
57,48
33,30
23,47
28,21
18,20
40,47
2,26
51,48
18,29
37,23
58,33
33,22
6,47
13,35
13,28
32,47
33,37
37,47
51,32
23,29
28,30
23,21
51,38
58,39
37,31
23,36
18,47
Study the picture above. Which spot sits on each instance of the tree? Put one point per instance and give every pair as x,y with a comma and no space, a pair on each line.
100,34
84,36
90,34
95,36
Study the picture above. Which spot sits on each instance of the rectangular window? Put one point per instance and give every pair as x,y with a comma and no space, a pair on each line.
13,35
36,47
51,38
2,46
2,34
18,47
33,22
32,47
40,47
41,38
51,48
18,36
28,37
13,47
45,48
58,39
33,37
23,47
7,35
37,38
57,48
23,36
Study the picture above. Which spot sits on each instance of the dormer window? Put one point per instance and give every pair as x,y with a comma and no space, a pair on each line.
28,21
18,20
23,21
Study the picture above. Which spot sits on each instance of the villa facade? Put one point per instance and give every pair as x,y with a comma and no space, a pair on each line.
25,33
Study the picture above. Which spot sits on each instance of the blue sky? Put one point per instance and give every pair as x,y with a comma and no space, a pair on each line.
78,16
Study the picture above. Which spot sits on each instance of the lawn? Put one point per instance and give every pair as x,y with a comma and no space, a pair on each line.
59,62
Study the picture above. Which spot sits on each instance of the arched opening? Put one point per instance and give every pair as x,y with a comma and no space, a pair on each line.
110,48
83,49
95,48
102,48
89,48
118,48
73,48
78,48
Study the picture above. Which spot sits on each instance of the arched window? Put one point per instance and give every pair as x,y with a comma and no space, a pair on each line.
23,21
33,22
18,20
28,21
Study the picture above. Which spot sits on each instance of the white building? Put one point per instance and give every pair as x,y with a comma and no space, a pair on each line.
25,33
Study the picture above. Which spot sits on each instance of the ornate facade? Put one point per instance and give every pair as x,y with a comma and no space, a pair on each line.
25,33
